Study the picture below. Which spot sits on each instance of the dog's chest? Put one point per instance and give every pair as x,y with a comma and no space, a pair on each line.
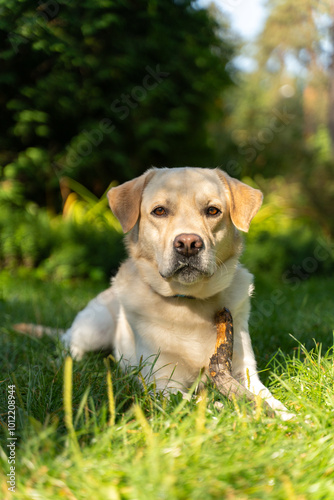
179,327
183,328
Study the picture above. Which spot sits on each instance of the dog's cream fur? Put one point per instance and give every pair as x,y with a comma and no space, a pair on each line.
161,304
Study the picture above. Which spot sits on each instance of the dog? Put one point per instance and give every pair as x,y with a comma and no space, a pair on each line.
183,238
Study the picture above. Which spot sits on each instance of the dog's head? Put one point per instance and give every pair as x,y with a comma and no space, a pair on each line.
184,221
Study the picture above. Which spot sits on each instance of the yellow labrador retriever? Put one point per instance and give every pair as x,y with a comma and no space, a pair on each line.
184,244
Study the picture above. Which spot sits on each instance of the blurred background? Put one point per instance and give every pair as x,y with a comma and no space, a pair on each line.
93,93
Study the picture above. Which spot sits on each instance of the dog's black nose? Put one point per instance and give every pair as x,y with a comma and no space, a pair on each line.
188,244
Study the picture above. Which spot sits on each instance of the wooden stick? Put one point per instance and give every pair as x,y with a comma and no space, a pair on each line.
220,366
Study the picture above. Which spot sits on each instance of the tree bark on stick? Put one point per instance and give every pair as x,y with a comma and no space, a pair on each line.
220,366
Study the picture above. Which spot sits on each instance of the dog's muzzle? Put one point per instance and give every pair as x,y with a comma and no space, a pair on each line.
187,263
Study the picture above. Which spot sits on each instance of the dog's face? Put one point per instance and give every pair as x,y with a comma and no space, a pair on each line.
184,220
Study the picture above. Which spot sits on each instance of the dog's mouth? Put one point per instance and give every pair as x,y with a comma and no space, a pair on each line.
187,273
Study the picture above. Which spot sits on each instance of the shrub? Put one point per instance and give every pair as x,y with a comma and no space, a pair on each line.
58,247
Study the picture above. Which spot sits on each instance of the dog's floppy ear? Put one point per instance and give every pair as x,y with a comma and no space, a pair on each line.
124,200
245,201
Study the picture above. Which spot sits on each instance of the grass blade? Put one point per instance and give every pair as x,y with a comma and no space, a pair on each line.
68,389
110,392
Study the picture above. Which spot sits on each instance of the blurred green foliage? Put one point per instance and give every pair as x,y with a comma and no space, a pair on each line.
268,141
93,93
281,246
101,90
281,113
84,242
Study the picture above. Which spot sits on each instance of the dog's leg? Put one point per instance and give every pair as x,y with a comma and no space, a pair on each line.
93,328
244,370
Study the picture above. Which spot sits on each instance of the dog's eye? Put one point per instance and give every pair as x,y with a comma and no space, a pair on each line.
213,211
159,211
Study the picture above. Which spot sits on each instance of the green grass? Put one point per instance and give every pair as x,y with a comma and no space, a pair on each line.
160,449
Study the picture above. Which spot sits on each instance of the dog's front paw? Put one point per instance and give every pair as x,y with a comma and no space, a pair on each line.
76,351
285,414
280,410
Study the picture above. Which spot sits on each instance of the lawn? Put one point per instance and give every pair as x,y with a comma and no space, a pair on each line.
114,441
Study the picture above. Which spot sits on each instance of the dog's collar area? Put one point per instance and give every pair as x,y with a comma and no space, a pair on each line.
178,296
